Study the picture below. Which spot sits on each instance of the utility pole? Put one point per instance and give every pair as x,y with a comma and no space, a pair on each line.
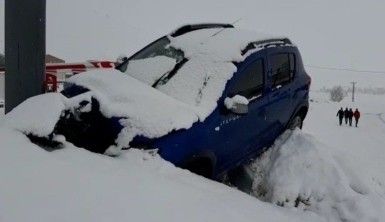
354,86
24,50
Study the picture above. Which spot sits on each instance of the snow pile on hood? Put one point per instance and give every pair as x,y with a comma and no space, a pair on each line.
147,111
300,173
37,115
210,52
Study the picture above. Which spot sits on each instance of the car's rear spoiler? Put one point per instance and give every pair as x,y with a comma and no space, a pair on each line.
266,43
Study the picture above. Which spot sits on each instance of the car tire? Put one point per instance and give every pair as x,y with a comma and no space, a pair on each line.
295,123
200,166
90,130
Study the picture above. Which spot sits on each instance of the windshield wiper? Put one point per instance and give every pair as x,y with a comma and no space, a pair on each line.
168,75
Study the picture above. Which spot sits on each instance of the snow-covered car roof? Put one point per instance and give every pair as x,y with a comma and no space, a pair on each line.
208,63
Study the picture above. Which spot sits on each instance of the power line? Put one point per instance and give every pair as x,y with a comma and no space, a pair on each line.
345,69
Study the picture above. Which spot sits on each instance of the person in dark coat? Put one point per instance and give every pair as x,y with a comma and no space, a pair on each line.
357,116
350,116
340,115
346,115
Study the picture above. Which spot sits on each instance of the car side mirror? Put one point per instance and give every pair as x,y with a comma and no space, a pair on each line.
237,104
121,63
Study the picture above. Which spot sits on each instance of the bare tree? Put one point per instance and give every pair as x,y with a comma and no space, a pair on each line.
337,94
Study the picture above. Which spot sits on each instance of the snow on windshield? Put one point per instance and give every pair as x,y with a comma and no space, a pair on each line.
149,70
210,53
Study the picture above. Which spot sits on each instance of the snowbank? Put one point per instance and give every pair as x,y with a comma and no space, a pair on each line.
76,185
300,172
37,115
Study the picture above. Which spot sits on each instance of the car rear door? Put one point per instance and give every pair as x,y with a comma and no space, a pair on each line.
281,71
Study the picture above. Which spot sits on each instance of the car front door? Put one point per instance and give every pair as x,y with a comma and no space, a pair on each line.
240,132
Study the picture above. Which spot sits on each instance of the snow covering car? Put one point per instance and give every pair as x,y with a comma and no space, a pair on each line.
208,96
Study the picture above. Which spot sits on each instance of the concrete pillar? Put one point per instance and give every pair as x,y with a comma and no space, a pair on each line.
24,50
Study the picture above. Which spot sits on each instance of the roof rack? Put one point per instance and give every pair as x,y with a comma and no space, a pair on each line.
189,28
266,43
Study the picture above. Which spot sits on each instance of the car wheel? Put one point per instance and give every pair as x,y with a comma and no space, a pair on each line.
200,166
90,130
296,122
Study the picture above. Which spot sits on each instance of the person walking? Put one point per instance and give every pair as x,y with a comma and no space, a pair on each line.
350,116
357,116
340,115
346,115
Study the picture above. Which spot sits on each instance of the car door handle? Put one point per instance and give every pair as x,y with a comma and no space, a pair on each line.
278,87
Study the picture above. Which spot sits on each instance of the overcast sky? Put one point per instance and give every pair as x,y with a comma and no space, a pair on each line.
328,33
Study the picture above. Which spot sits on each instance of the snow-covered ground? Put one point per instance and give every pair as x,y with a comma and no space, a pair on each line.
335,171
75,185
326,172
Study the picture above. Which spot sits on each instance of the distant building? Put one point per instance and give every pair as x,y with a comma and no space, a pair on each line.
52,59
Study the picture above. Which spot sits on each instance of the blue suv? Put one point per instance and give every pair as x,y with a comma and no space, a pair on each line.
265,93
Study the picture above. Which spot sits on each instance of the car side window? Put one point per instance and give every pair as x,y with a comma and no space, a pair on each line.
282,68
250,84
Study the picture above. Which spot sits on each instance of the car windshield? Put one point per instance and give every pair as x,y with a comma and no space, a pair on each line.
160,47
